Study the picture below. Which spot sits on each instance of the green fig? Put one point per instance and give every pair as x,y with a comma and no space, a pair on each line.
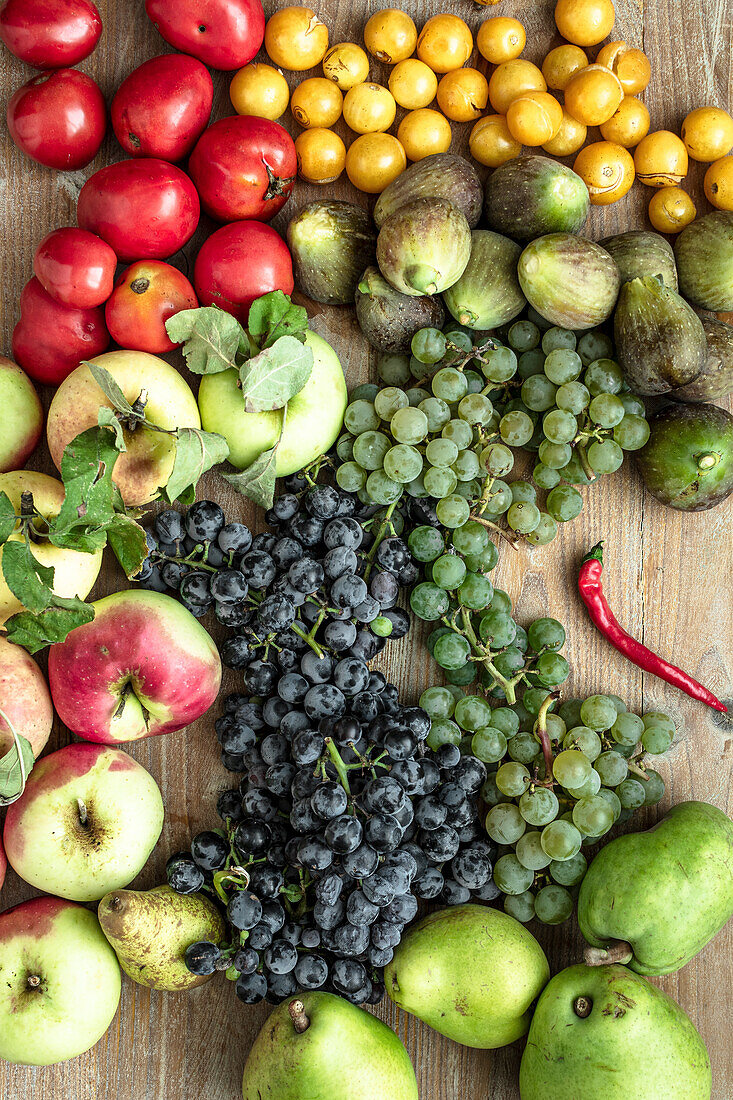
471,973
660,341
389,319
641,252
321,1047
439,176
487,294
571,282
704,252
331,242
424,247
532,195
605,1033
716,378
655,899
688,461
151,929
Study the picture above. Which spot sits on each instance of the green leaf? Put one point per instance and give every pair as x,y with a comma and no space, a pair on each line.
211,338
15,766
274,315
128,542
111,390
257,482
8,518
275,375
196,452
86,469
107,418
28,580
36,631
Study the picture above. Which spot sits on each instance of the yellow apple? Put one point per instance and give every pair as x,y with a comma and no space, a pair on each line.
74,572
144,468
22,416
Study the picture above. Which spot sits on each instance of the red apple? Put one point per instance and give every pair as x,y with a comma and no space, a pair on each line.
143,666
145,296
24,699
162,107
50,340
145,209
50,34
224,34
22,416
58,119
75,267
241,262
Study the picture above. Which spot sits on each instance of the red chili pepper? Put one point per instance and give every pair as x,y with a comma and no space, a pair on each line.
591,591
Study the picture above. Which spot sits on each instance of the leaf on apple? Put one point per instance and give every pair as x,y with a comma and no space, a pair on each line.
107,418
273,316
111,390
275,375
15,766
28,580
36,631
8,517
257,482
128,542
87,465
196,452
211,338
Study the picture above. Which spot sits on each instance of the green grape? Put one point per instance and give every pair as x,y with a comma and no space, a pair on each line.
544,477
571,871
351,477
441,452
458,432
439,482
466,466
546,633
504,823
563,365
603,376
552,669
505,720
500,365
361,416
501,602
345,447
461,676
569,711
556,728
416,488
584,739
591,786
522,747
606,410
539,806
473,713
531,362
553,904
512,779
564,503
382,489
449,385
469,490
544,532
520,906
653,789
627,729
452,510
425,543
509,662
530,853
555,455
428,345
475,382
496,459
485,561
523,517
659,718
428,601
516,429
593,815
633,405
632,433
364,497
498,499
571,768
533,699
573,472
415,394
443,732
370,448
394,369
538,393
561,840
523,336
367,391
598,712
594,345
437,412
631,794
403,463
472,538
510,876
523,491
619,704
559,426
656,740
612,799
474,408
381,626
460,340
573,397
605,457
492,796
476,591
611,767
449,571
437,701
556,338
389,400
409,425
451,651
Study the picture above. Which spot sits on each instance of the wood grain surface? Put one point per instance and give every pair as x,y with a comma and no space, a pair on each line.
668,575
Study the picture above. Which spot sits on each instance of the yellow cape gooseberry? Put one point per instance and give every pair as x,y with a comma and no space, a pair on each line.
708,133
671,209
568,139
719,184
593,95
630,65
607,170
534,118
661,159
491,143
628,124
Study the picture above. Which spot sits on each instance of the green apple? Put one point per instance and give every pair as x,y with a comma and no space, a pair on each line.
313,421
59,982
22,416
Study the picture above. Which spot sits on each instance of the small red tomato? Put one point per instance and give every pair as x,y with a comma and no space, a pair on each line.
241,262
50,34
144,297
162,107
58,119
75,267
244,167
50,340
224,34
145,209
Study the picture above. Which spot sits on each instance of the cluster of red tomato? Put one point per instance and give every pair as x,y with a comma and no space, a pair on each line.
142,210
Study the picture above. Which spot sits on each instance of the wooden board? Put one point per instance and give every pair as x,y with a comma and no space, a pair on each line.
668,574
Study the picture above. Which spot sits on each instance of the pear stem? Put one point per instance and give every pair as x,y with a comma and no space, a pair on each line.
618,952
301,1022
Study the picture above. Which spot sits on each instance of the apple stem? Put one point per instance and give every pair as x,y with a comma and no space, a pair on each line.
583,1006
301,1023
83,816
33,982
618,952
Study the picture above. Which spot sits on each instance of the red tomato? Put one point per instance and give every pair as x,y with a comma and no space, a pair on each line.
224,34
58,119
145,296
244,167
162,107
50,34
50,340
241,262
75,267
145,209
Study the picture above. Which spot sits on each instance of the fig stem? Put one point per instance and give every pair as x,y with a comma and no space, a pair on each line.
707,461
618,952
296,1010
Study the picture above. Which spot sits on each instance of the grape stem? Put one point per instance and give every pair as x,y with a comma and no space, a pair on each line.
587,468
308,639
541,732
637,770
338,764
514,543
508,686
379,538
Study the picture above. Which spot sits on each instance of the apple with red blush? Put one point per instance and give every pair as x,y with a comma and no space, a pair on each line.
145,296
25,701
162,107
58,119
50,34
75,267
51,339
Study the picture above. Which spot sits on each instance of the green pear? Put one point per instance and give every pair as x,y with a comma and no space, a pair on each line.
604,1033
471,973
655,899
321,1047
151,929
